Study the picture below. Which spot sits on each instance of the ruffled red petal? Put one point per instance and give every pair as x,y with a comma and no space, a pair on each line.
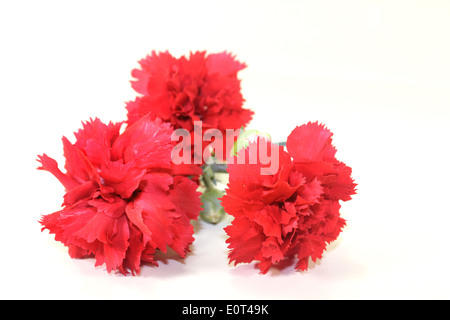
311,142
180,91
123,200
293,213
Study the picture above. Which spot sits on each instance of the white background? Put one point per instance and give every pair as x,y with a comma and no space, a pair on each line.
375,72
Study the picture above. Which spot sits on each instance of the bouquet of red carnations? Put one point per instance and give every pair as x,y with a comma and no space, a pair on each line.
133,187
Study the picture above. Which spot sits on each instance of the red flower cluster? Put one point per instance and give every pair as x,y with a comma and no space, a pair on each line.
198,88
294,213
124,198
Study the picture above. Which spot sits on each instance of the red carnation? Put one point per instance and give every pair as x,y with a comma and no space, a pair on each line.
199,88
293,213
123,198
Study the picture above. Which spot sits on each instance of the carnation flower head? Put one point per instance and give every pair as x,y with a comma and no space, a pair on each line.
196,88
293,213
124,198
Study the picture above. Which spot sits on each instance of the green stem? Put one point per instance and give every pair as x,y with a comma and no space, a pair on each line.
213,211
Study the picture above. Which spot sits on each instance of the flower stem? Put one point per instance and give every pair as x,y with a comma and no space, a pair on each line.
213,211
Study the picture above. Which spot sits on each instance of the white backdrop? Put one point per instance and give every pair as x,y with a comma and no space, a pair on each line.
375,72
